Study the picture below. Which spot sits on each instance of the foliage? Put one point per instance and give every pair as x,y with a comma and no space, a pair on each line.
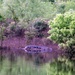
61,8
40,25
19,31
63,30
14,30
70,5
27,9
24,9
50,10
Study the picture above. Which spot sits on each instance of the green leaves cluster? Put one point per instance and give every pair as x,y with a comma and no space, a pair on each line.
21,9
63,29
27,9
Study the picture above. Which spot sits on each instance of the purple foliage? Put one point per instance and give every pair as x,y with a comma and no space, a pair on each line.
15,44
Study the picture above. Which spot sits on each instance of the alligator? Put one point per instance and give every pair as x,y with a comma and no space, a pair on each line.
36,49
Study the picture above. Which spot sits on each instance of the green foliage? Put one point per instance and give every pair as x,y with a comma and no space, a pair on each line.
63,31
61,8
22,9
70,5
50,10
63,28
65,5
27,9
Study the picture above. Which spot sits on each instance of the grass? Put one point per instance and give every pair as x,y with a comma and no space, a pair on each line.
23,67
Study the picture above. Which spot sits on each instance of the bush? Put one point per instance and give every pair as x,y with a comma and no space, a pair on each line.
63,31
14,30
19,31
40,25
23,9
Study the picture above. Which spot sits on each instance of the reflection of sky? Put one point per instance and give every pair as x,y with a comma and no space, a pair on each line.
37,49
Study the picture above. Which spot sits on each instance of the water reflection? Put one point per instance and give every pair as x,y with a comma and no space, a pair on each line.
15,63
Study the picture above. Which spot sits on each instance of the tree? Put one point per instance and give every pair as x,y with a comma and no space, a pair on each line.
22,9
63,31
27,9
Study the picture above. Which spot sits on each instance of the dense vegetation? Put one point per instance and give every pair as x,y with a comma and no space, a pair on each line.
63,31
29,21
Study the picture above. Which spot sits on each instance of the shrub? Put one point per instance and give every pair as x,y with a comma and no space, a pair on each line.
26,10
13,30
19,31
63,31
40,25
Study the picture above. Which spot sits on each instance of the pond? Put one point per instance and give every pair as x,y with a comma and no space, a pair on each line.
40,62
23,67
